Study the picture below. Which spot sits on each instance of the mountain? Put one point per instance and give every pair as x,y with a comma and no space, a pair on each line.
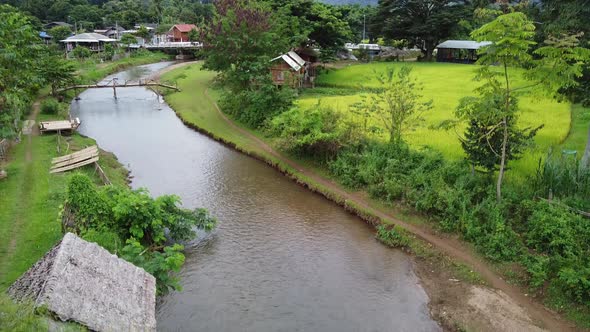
348,2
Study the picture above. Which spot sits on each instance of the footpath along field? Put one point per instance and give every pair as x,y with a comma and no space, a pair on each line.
445,84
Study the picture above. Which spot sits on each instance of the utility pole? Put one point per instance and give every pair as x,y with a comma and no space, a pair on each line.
364,26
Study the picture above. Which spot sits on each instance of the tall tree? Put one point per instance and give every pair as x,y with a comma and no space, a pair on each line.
239,44
20,75
315,24
555,66
422,23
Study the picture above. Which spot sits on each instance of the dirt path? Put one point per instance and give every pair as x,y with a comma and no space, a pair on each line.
450,247
19,222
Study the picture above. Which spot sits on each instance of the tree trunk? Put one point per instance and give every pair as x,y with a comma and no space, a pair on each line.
428,50
505,138
502,162
586,157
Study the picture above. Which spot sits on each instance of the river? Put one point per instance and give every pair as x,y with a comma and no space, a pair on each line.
281,259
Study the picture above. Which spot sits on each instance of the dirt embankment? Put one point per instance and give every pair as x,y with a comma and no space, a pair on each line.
456,305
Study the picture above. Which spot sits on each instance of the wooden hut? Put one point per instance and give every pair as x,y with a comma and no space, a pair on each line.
459,51
180,32
82,282
289,69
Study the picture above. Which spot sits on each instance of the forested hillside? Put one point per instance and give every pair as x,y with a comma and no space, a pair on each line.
351,2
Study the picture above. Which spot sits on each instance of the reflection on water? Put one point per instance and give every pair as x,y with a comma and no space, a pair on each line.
282,259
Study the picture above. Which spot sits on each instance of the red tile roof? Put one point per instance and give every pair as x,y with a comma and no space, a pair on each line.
184,27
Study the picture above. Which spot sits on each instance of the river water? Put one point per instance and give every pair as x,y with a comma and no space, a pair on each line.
281,259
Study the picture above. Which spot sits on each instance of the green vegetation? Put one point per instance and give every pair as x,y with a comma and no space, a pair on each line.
28,224
446,84
133,225
447,191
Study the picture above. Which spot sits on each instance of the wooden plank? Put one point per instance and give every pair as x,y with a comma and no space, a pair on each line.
74,166
75,154
70,157
58,125
75,160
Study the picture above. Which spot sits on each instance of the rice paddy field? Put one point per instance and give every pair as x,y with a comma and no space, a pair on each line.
445,84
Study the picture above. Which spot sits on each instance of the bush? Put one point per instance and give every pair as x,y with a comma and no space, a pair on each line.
112,216
563,177
19,316
50,106
255,107
141,53
393,236
81,52
320,132
553,230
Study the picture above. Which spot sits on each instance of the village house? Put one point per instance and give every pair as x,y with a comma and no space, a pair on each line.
93,41
180,32
114,32
290,69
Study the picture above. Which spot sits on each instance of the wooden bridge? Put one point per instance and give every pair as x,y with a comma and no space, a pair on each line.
112,84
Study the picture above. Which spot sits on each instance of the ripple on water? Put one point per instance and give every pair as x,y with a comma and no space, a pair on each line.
282,259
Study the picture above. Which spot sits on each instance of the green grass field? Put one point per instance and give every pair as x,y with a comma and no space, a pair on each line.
446,84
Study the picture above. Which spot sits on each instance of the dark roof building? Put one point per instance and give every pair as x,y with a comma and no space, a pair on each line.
56,24
459,51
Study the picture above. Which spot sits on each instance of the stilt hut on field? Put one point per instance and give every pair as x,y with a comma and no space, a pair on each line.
289,69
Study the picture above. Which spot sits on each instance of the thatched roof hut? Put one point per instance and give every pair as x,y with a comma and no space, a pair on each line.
80,281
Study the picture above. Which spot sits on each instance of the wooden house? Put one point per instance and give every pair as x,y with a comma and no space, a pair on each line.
180,32
289,69
114,32
93,41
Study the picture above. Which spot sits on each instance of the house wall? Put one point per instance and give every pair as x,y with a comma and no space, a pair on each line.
283,74
179,36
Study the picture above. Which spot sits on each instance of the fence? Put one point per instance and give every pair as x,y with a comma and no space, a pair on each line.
4,145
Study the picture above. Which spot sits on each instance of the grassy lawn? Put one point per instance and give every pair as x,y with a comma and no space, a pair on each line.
446,84
31,197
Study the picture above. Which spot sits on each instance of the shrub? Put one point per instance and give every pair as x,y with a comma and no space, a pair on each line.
564,177
319,131
112,216
19,316
50,106
81,52
255,107
393,236
553,230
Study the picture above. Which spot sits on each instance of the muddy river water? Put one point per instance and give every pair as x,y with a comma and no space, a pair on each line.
281,259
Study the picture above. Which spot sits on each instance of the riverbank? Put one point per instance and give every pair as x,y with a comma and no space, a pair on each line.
29,224
454,301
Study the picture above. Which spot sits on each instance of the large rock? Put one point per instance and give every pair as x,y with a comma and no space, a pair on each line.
81,281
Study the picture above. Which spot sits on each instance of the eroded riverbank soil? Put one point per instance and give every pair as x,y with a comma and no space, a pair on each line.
461,306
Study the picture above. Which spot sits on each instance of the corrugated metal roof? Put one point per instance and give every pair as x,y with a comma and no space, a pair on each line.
292,59
463,44
296,57
291,62
89,37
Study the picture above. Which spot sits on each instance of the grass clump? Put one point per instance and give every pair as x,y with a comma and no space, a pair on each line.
393,236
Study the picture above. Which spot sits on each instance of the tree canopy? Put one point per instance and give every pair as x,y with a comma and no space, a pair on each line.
422,23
